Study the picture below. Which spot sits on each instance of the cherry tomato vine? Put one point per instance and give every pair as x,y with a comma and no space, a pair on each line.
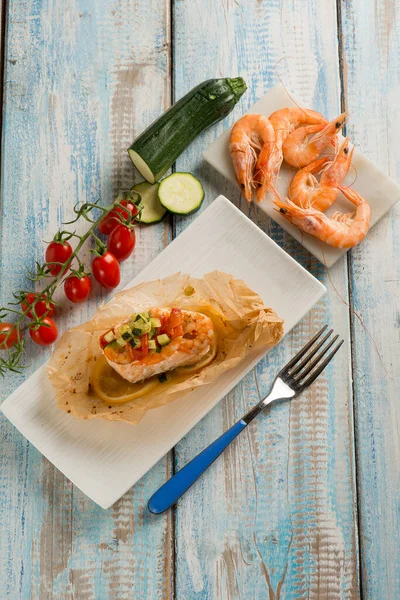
33,310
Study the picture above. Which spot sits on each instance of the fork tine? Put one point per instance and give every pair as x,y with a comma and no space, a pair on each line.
302,352
322,366
314,362
309,356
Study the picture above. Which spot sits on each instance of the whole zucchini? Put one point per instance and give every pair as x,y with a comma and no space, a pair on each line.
157,148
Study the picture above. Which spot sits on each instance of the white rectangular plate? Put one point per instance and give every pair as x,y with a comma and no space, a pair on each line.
378,189
104,459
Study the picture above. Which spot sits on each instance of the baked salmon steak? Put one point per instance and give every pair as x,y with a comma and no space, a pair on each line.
156,341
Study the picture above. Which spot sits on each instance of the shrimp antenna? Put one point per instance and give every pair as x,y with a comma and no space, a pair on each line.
353,311
284,86
274,191
281,80
355,176
312,206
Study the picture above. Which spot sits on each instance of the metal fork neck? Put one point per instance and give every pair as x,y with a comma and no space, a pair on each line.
280,391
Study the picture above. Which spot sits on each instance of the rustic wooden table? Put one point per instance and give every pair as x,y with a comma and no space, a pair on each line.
306,503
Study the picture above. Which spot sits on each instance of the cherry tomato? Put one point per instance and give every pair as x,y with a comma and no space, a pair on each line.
57,252
77,289
106,270
46,334
12,338
40,306
121,242
112,220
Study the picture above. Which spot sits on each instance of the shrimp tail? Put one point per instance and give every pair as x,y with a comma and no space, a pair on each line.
317,165
351,195
274,191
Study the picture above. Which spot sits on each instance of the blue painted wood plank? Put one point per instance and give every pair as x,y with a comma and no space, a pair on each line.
77,83
371,38
275,516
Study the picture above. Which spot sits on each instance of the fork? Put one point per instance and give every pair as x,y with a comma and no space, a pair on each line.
291,381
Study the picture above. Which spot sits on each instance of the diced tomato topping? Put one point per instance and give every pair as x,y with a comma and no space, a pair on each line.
173,326
175,318
103,341
139,353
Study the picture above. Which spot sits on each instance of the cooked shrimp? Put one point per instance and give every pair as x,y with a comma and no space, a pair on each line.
266,172
335,173
307,192
191,337
299,150
250,136
284,121
340,230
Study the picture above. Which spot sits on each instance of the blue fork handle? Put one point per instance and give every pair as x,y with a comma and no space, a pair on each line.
173,489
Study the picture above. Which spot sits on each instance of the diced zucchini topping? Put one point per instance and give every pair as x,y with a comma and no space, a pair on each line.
139,324
123,330
131,332
163,339
135,342
109,337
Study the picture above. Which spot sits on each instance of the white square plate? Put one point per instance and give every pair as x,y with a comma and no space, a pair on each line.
104,459
378,189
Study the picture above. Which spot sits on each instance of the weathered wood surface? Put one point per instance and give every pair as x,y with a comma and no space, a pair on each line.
77,89
371,36
276,517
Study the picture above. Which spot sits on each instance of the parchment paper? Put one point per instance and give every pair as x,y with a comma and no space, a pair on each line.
241,321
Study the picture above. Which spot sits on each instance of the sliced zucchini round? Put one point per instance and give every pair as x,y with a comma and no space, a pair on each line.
153,211
181,193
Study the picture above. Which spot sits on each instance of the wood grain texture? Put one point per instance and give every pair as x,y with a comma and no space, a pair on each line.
275,516
76,93
371,39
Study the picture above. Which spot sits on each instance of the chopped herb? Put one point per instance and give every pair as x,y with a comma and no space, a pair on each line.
138,317
137,331
132,343
162,378
126,335
158,349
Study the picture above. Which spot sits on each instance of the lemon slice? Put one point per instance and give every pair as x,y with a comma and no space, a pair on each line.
114,389
203,362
